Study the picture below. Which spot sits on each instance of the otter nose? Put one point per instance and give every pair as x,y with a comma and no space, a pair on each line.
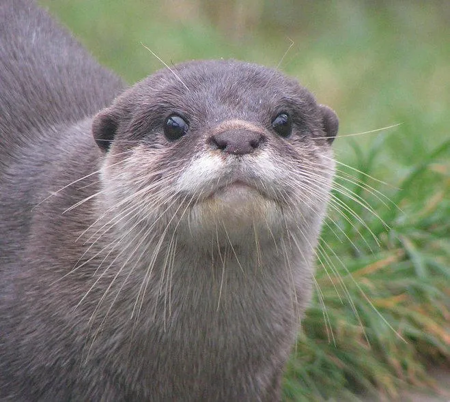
237,142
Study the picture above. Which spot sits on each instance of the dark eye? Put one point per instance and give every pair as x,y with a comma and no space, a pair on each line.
175,127
282,125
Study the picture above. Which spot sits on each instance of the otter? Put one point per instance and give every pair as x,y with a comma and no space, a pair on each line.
157,242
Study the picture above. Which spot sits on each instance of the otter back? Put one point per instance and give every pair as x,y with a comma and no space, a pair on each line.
46,77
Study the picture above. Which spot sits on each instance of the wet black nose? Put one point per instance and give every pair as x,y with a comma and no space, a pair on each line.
237,142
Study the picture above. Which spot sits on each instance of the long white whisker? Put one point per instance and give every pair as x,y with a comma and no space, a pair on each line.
167,66
377,130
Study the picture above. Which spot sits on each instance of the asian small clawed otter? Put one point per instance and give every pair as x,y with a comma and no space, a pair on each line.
157,242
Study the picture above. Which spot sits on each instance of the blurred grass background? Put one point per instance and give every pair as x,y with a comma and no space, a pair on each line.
381,315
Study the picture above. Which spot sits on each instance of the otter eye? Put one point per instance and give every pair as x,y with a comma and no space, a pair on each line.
175,127
282,125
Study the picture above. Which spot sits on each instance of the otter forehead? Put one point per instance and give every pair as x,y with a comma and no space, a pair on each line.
225,75
226,89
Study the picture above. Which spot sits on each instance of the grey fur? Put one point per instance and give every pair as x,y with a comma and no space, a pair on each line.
169,300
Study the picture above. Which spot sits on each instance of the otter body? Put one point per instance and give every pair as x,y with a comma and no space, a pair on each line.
156,242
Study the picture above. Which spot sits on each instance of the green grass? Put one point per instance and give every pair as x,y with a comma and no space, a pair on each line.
382,314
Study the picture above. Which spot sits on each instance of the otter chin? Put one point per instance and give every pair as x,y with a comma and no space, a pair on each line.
233,211
236,201
158,241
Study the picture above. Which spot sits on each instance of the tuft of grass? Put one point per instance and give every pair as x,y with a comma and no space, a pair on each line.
381,314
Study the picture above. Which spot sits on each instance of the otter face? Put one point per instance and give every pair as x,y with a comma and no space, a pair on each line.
217,149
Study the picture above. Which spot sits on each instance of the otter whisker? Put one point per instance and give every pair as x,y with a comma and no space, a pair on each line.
292,282
326,316
143,240
149,270
142,290
104,272
359,171
127,211
143,191
79,203
222,279
360,201
105,293
167,66
344,288
285,53
355,282
170,258
54,193
323,259
377,130
222,260
168,292
382,198
312,186
233,250
109,225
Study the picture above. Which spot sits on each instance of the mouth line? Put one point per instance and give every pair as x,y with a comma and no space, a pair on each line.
236,185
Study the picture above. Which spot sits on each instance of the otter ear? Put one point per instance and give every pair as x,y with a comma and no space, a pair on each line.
330,122
104,128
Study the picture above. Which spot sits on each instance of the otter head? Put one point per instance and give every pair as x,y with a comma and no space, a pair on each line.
216,151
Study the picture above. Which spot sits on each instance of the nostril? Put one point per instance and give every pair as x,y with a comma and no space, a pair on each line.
218,143
237,142
255,143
